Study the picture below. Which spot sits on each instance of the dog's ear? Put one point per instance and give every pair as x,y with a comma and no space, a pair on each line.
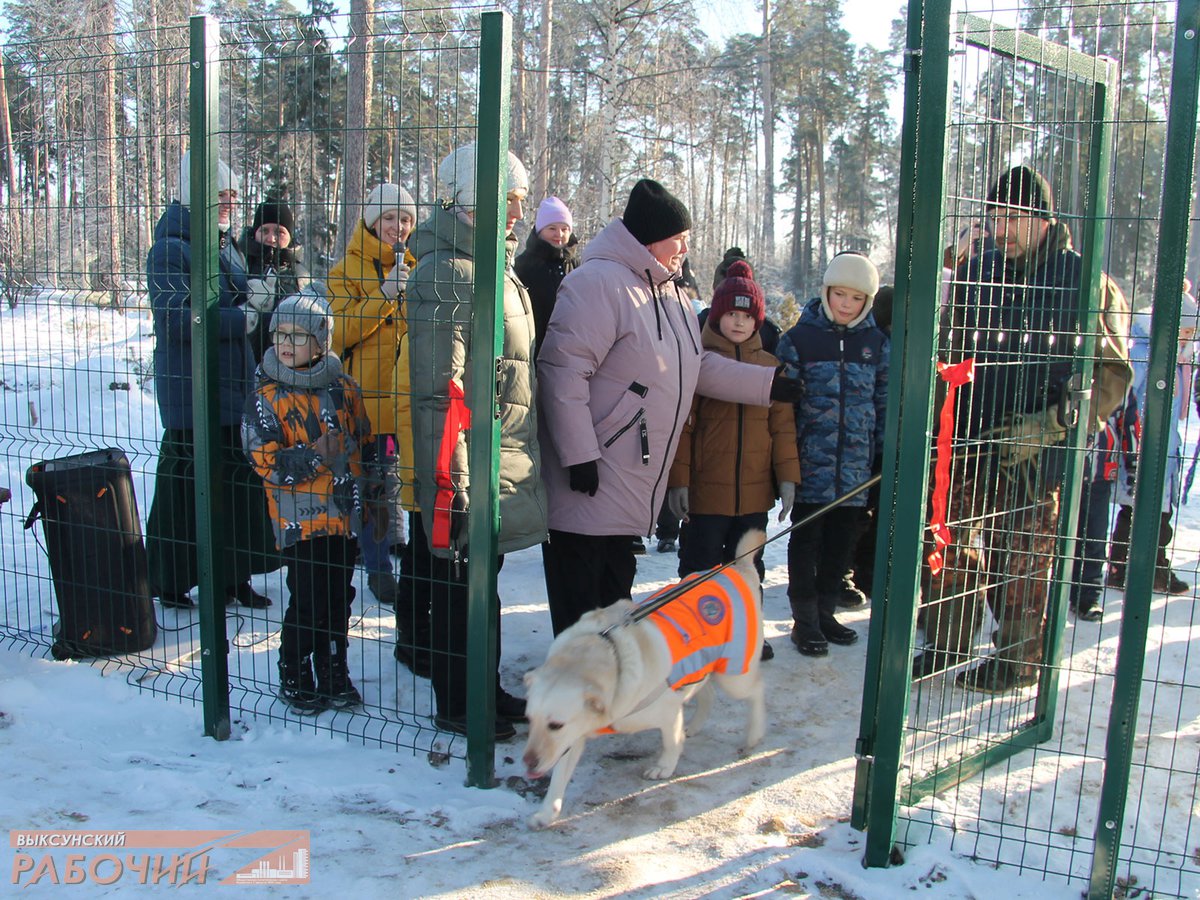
593,702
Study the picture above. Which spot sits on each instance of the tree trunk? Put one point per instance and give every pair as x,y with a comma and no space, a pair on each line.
519,126
358,109
608,114
767,251
106,276
6,142
540,155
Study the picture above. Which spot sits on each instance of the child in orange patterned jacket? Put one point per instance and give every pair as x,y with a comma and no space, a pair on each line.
306,432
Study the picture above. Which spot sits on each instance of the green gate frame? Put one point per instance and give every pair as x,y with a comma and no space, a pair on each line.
1170,262
881,736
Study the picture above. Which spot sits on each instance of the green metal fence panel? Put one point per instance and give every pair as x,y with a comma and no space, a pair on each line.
265,103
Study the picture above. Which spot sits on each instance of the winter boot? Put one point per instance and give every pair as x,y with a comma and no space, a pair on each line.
413,637
998,676
806,627
508,707
334,687
383,586
246,595
932,661
171,600
851,596
835,632
1167,582
297,688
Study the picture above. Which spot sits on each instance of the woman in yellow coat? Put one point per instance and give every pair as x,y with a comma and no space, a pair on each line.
366,293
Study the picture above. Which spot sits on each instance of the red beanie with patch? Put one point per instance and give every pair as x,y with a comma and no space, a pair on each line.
739,291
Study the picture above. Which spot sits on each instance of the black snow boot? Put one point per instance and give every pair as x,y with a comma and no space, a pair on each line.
334,687
806,627
413,640
298,688
835,632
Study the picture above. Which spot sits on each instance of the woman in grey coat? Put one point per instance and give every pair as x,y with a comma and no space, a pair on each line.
439,309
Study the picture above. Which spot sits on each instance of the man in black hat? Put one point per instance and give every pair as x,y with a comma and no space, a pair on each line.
617,371
1016,313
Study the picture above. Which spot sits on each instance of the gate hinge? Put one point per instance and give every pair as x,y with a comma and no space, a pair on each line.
863,750
912,59
499,387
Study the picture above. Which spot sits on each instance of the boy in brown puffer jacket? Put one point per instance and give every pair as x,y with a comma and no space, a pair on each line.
733,459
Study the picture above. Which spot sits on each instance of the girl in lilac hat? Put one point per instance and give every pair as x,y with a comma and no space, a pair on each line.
550,253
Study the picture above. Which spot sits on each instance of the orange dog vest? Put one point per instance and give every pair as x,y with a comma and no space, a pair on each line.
712,627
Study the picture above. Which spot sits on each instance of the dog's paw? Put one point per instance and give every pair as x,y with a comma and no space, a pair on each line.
540,820
659,772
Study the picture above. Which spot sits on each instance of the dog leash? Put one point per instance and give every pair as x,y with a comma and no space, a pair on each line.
642,610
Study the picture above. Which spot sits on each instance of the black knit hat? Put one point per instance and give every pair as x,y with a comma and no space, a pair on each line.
1024,189
653,213
274,212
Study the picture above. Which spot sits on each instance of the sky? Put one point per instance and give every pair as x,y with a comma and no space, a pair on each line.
88,750
868,21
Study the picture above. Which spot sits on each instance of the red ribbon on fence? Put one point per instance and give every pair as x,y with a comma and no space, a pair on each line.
458,419
955,376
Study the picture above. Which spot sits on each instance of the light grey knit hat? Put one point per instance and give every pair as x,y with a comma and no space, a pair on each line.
309,312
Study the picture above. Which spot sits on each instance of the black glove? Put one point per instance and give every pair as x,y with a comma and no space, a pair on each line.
458,519
585,477
787,390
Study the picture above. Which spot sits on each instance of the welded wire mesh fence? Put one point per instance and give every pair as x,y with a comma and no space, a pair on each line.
101,345
1030,624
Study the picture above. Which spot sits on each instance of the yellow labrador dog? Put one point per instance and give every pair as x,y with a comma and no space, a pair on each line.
608,673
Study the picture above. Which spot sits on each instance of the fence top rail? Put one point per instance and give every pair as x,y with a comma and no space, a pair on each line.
1025,47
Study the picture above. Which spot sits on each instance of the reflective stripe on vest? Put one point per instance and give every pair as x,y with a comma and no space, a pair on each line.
712,627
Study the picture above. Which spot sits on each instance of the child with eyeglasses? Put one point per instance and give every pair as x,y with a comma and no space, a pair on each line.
306,432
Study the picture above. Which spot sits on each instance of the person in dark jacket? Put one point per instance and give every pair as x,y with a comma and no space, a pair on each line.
1009,428
732,255
274,271
171,525
549,254
842,358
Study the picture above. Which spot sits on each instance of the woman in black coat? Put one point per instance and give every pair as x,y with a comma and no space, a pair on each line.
272,264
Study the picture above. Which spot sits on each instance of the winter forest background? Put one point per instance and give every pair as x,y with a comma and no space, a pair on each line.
784,140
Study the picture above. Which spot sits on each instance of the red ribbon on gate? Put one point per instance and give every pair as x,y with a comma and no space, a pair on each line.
955,376
458,419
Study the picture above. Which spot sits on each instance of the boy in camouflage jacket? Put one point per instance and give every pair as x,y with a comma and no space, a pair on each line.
306,430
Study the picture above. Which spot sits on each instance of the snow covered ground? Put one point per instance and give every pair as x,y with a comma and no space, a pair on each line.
86,750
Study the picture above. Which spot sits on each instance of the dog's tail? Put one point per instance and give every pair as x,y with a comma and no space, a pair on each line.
748,546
